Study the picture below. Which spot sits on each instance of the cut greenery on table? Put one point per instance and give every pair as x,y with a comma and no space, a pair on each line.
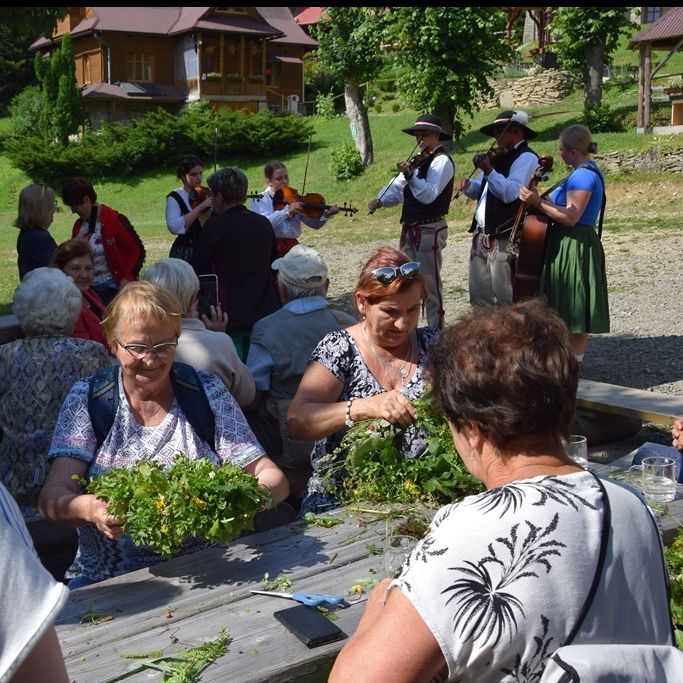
161,507
374,469
674,558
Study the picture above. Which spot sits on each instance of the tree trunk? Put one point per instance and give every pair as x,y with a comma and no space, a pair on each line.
446,112
595,55
358,119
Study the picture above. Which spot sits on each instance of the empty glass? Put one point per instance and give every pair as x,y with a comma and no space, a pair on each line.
576,447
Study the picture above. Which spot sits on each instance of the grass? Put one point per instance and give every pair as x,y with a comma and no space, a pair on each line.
143,199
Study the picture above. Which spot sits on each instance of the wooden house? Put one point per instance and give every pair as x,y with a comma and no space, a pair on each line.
130,60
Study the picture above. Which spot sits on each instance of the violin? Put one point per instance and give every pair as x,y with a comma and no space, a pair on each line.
313,203
197,195
409,167
493,156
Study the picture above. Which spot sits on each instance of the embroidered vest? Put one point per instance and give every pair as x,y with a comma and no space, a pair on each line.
414,212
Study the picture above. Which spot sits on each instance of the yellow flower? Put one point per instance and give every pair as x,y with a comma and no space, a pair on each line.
199,502
164,528
160,503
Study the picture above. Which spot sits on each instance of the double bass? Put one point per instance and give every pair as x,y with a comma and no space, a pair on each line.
528,242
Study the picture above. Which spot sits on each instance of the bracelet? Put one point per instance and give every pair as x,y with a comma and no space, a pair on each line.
347,414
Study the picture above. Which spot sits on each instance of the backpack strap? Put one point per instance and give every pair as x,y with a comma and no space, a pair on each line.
194,402
604,540
103,399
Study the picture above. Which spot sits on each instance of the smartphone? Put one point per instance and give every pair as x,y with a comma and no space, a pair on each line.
208,294
309,625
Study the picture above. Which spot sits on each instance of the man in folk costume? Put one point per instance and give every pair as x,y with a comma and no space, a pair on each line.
504,171
424,186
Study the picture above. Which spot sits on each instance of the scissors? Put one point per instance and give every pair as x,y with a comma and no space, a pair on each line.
312,599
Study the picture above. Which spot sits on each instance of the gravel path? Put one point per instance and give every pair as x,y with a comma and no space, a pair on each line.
644,348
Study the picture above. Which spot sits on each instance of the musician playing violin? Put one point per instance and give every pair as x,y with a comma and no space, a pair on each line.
189,172
506,169
424,186
286,221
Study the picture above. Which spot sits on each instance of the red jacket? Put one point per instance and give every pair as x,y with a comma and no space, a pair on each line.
123,249
89,325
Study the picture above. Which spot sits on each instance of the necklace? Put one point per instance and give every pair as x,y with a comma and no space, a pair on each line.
404,370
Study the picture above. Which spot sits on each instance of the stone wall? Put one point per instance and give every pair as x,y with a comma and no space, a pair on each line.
651,161
548,86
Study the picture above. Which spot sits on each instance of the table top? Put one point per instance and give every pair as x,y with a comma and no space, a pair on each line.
108,630
181,603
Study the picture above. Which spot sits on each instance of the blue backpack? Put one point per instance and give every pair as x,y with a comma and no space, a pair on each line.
103,399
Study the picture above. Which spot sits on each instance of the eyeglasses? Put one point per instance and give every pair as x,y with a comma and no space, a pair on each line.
139,351
387,274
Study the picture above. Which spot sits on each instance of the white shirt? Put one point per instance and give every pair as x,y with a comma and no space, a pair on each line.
175,219
284,225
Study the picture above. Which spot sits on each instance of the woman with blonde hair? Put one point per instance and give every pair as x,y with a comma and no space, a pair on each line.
142,326
573,277
35,245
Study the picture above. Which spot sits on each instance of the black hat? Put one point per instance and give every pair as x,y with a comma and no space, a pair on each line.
521,118
429,124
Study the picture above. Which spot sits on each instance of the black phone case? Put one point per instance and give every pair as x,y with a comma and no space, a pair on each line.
309,625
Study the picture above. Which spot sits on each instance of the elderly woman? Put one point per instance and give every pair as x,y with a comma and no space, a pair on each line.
371,369
205,349
36,374
142,327
502,578
74,258
35,244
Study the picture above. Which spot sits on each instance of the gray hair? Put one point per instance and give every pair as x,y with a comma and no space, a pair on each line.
292,292
47,302
36,203
176,276
231,183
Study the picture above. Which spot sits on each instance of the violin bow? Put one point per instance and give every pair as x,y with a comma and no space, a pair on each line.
215,148
410,156
308,156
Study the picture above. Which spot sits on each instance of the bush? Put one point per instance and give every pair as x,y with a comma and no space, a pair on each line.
25,111
156,141
378,107
324,105
602,119
346,162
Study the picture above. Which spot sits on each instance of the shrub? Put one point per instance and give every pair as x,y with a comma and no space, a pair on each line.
378,107
602,119
395,107
346,162
25,111
324,105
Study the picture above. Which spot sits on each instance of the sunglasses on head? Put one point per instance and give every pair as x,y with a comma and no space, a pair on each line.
387,274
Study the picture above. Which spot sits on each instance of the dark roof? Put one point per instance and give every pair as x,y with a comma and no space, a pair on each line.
664,33
133,91
279,23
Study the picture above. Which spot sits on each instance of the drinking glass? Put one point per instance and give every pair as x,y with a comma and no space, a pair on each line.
576,447
657,478
397,548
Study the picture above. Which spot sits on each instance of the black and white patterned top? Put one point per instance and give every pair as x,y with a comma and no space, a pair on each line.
338,352
501,577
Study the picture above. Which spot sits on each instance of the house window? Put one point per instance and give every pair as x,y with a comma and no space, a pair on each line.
233,56
211,56
652,14
255,52
273,72
139,66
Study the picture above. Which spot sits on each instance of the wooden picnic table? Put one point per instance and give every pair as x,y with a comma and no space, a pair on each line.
181,603
175,605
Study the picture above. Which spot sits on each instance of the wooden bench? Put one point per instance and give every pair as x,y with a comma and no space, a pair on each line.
609,412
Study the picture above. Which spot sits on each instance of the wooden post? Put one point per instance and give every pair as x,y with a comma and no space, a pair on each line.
641,90
647,88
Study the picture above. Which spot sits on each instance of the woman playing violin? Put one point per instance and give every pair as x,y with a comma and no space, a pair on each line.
187,207
424,186
286,221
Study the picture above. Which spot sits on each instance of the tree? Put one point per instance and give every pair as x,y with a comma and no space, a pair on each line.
585,38
62,112
349,48
19,27
445,56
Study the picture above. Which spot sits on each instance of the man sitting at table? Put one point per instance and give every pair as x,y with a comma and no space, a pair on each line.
281,344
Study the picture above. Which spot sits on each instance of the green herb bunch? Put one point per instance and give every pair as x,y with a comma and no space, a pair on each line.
161,507
674,558
374,469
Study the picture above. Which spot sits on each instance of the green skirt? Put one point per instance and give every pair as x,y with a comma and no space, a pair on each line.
573,278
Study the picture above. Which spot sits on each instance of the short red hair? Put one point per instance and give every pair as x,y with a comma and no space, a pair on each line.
371,289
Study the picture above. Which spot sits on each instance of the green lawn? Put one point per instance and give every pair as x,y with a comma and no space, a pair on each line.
143,199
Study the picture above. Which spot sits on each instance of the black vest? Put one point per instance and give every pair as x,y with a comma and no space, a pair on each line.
414,212
499,215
